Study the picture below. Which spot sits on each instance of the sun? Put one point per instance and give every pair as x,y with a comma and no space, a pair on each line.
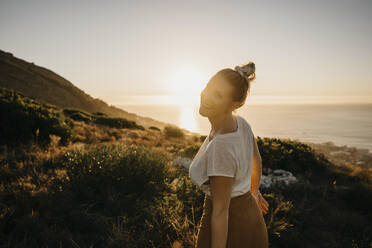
186,83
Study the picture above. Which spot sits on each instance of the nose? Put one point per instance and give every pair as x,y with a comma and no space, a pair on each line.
203,96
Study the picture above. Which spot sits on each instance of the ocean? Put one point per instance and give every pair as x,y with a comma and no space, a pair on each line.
342,124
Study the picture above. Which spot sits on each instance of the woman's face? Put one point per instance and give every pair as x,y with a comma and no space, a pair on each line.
216,98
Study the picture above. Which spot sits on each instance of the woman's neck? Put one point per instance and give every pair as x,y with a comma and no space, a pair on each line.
222,124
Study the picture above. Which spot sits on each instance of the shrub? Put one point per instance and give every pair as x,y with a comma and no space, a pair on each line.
117,122
100,114
203,137
101,119
135,174
78,115
116,181
190,151
154,128
24,120
294,156
173,131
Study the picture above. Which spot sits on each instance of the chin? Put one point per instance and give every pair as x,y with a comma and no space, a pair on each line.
204,112
201,111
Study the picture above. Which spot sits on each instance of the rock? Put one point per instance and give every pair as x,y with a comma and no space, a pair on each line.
266,181
182,161
277,176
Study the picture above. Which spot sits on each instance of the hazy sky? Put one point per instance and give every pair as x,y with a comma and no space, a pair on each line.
113,49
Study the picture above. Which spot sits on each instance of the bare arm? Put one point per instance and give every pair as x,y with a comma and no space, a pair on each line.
256,179
221,188
256,168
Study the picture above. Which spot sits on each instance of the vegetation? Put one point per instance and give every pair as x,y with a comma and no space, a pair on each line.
173,131
117,122
102,189
293,156
328,207
101,119
24,119
115,187
203,137
190,151
154,128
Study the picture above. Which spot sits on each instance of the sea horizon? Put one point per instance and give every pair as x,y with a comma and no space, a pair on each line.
347,124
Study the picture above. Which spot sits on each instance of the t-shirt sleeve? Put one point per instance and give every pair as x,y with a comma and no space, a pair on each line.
221,160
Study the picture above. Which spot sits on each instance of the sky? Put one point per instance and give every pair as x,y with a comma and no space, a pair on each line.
138,52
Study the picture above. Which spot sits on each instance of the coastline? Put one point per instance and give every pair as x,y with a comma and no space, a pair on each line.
343,155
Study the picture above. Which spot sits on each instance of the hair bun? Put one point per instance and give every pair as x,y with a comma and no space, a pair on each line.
247,70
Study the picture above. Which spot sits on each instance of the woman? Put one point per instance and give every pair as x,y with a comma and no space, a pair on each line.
228,167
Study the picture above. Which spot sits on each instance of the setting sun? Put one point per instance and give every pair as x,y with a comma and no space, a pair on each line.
186,80
185,84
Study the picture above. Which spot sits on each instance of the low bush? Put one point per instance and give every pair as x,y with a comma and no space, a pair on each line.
108,196
291,155
24,120
154,128
173,131
117,122
78,115
101,119
190,151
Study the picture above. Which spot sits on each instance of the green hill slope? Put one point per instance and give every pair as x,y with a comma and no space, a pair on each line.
23,119
47,86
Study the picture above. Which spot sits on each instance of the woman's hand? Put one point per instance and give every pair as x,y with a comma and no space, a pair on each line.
261,202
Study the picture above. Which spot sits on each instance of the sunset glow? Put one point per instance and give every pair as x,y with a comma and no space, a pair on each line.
185,79
135,52
187,119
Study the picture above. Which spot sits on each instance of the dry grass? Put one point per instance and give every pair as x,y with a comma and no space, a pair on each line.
96,134
33,169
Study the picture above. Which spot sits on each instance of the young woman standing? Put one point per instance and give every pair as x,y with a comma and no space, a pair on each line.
228,167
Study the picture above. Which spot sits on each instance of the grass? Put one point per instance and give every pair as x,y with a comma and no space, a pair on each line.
116,187
123,195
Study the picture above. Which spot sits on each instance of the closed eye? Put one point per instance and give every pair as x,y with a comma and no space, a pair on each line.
218,94
215,92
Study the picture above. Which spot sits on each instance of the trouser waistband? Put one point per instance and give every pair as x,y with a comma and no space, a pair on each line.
247,194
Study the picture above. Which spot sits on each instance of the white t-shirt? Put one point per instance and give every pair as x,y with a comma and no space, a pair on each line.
228,154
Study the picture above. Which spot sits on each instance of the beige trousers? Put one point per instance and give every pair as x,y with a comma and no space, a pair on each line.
246,227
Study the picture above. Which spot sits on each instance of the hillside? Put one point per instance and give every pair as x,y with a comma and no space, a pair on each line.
23,120
47,86
91,180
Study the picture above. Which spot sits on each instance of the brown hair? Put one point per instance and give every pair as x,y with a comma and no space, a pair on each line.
240,79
